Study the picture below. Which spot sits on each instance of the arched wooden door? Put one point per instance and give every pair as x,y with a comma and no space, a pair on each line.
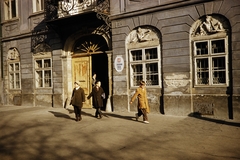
89,57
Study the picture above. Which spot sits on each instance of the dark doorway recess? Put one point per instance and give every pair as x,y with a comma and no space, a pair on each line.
100,67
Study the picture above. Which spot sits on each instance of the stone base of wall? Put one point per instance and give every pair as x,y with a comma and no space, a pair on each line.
211,105
120,103
58,101
177,105
236,107
27,100
37,100
43,100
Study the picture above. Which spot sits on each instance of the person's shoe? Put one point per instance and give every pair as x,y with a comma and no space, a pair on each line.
136,116
145,122
79,118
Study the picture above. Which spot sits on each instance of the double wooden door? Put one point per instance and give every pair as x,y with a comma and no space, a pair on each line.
81,71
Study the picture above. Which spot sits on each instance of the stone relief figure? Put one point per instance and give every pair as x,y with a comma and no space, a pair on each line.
141,35
208,26
13,54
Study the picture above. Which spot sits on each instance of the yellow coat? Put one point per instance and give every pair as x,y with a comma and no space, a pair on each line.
142,98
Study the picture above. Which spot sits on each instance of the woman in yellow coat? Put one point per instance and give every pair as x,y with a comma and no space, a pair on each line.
143,107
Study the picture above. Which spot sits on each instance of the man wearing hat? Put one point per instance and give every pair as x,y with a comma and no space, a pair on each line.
78,97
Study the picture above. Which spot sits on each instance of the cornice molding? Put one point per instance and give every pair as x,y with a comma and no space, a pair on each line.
155,9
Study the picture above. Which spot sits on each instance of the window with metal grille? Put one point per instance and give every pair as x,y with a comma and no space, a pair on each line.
211,62
145,65
14,75
43,73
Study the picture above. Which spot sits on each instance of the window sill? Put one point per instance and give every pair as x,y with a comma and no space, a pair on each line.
210,86
10,20
36,14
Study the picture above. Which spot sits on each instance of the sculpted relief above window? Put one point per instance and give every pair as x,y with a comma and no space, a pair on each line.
208,25
13,54
142,37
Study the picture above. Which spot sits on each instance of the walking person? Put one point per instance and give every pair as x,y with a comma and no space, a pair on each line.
143,107
77,100
98,95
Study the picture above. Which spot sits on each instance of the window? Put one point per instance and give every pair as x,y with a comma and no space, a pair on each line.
145,65
211,62
10,9
14,75
43,73
38,5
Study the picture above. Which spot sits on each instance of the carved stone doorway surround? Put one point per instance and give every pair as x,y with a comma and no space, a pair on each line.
68,54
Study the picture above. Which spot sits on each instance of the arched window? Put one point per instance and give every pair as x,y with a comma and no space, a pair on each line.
14,72
210,40
144,56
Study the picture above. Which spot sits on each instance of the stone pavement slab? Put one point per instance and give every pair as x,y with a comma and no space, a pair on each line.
35,133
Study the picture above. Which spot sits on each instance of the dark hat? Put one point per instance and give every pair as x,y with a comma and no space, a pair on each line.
77,82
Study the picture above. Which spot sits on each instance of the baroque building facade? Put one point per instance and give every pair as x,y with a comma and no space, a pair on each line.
187,52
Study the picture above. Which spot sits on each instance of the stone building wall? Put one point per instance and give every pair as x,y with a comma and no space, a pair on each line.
20,33
180,96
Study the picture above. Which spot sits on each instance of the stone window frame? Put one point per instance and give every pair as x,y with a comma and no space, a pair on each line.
14,80
209,56
10,9
144,62
41,71
38,5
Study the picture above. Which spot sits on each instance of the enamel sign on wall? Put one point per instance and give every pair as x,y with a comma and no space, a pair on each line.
119,63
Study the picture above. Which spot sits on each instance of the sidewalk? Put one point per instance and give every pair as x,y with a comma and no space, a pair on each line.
34,133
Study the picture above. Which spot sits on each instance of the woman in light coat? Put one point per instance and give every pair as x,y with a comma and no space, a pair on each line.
143,107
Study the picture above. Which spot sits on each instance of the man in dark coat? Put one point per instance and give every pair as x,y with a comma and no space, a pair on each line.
98,95
78,97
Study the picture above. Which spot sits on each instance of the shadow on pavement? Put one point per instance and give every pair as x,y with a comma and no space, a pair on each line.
61,115
70,111
199,116
131,118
